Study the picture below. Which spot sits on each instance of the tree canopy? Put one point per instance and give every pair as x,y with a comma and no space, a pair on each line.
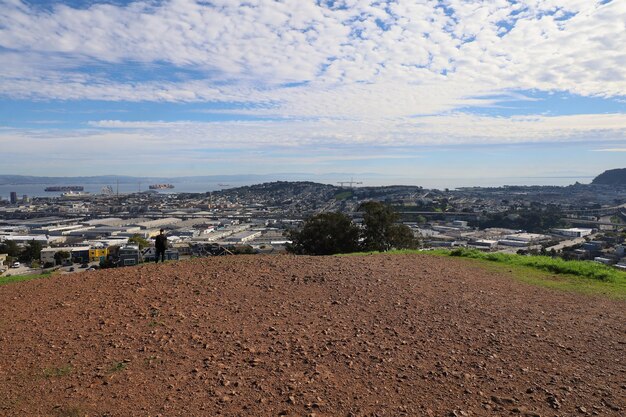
331,233
325,234
60,256
139,241
10,248
381,231
31,252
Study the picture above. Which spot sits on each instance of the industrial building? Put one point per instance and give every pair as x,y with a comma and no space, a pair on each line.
78,254
573,232
129,255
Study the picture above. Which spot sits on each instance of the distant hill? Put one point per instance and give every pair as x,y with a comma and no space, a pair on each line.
278,192
611,177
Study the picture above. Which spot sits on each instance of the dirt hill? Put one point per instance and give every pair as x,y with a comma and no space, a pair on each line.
410,335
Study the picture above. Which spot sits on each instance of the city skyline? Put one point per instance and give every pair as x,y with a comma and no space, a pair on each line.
401,88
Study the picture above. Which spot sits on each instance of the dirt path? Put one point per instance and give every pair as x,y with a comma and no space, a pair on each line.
300,336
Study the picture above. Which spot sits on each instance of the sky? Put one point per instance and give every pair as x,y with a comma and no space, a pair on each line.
403,89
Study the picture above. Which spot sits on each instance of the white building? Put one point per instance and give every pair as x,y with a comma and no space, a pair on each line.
483,244
527,238
44,240
158,223
514,243
603,260
244,237
573,232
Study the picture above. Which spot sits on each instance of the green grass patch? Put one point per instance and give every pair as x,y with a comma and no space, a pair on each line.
561,282
344,195
585,269
57,372
117,367
576,276
18,278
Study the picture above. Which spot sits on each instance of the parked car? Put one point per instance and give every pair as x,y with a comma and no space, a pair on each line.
85,265
15,265
71,269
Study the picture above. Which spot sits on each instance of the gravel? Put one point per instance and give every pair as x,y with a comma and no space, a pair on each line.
402,335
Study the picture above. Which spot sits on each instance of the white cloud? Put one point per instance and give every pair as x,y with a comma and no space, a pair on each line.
362,75
424,61
389,145
428,130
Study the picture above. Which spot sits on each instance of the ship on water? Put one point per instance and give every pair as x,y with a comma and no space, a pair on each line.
161,186
74,194
65,188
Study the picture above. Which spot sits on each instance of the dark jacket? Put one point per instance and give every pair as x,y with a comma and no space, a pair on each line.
161,242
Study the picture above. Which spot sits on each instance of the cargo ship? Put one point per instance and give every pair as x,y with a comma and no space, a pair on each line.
161,186
65,188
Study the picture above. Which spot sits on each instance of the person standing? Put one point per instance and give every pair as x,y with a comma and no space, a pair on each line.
161,245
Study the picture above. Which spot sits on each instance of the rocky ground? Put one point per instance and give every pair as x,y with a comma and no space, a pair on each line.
410,335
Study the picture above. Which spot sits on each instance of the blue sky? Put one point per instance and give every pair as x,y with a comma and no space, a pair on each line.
406,89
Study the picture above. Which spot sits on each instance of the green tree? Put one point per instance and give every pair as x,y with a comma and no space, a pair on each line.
325,234
32,251
381,231
402,237
60,256
139,241
10,248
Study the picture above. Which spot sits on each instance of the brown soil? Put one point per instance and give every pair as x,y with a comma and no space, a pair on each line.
279,335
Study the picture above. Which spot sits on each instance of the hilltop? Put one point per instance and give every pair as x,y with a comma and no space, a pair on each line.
611,177
412,335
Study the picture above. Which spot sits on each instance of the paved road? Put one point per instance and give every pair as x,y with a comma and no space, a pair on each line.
22,270
571,242
25,270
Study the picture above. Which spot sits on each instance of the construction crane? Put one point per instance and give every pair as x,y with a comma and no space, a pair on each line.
352,182
107,190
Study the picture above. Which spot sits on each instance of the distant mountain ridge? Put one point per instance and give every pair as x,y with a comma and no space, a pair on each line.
611,177
125,179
